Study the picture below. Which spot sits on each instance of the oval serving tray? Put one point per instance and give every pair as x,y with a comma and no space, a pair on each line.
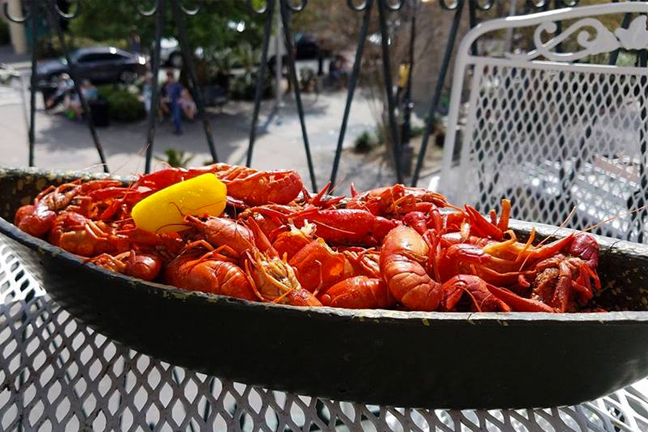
412,359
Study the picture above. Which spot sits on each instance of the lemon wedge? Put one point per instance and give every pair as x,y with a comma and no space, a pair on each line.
164,211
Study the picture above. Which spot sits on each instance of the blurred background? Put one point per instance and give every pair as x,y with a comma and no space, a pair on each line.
112,46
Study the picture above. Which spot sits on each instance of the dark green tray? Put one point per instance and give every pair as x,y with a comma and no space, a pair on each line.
411,359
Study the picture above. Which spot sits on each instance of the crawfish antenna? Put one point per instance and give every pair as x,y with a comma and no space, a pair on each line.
177,208
561,226
611,218
161,227
139,154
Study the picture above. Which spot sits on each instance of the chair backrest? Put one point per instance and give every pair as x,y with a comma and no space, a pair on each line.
549,128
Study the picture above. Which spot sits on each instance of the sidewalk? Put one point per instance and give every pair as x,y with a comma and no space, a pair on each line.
17,61
67,145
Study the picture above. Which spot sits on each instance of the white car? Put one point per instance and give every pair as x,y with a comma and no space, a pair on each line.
170,52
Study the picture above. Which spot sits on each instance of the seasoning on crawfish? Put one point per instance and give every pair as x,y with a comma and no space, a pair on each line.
249,234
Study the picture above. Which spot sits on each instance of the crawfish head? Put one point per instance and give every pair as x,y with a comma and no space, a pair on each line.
77,234
35,220
417,220
140,265
560,280
209,273
397,200
476,289
346,226
466,258
144,266
274,280
225,232
364,261
259,187
163,178
292,241
271,276
585,247
318,266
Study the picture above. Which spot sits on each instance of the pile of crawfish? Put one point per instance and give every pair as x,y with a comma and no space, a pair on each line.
393,247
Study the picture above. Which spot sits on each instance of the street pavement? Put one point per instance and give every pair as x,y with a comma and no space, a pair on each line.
67,145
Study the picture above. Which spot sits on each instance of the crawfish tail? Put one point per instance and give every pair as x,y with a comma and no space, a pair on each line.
402,261
359,292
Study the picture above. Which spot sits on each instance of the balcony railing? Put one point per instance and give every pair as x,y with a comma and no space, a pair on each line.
382,10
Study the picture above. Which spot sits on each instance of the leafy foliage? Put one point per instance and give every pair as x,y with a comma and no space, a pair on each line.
247,56
307,79
210,29
123,105
176,158
364,142
243,86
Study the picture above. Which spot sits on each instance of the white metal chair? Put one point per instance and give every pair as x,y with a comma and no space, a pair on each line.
552,129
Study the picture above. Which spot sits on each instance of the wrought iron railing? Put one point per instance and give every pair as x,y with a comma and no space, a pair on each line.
34,10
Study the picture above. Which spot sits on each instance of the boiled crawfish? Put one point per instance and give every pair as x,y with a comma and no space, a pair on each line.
392,247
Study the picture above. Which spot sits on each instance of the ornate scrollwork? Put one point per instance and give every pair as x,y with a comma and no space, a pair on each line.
14,19
188,11
449,6
358,6
484,6
394,5
635,37
147,12
73,14
261,10
543,4
592,36
296,5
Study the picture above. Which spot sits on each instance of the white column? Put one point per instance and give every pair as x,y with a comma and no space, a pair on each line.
17,31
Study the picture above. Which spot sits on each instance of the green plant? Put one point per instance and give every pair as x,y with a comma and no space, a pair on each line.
219,66
364,142
222,62
380,133
307,79
209,29
123,105
437,131
246,57
176,158
417,130
243,86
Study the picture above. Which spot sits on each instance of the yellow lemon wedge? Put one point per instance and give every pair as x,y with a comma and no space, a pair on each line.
164,211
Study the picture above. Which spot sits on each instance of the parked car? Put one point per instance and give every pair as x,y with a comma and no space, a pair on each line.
306,48
97,64
170,53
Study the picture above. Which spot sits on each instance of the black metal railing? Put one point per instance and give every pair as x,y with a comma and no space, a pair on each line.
381,10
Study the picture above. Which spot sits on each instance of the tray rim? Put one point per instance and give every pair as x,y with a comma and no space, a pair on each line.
42,247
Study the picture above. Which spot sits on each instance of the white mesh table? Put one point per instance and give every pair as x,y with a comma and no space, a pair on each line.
59,375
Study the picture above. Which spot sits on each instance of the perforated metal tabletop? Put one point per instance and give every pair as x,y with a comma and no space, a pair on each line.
59,375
